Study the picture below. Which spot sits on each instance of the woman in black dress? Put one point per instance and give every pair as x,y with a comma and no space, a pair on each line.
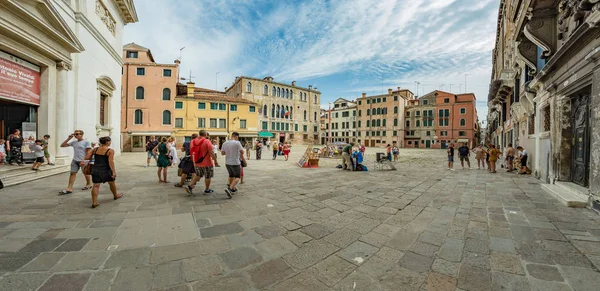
14,144
103,170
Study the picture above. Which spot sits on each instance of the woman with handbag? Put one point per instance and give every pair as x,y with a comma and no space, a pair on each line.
103,169
163,162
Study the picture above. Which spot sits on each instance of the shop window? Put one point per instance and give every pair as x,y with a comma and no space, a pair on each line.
138,117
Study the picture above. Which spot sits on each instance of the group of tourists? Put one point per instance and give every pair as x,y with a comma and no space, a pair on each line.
282,149
352,157
11,150
489,156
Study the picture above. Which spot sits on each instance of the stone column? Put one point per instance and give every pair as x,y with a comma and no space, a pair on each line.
64,112
594,177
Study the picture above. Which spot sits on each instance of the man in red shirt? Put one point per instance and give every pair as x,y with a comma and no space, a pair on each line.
201,150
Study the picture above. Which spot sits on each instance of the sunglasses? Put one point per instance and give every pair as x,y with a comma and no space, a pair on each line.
77,134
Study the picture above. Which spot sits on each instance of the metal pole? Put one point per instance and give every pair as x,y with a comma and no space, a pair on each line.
329,119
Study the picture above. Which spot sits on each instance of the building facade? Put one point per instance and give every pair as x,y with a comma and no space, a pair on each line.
341,122
419,123
286,112
204,109
545,84
380,118
148,94
61,67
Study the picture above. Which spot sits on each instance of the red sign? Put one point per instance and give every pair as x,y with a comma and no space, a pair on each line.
19,83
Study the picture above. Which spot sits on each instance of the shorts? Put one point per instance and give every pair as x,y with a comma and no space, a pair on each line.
510,158
152,155
75,166
46,154
464,158
206,172
39,159
524,161
234,171
451,159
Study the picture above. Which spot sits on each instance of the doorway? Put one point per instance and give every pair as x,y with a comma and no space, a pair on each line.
580,152
428,144
416,144
372,144
12,116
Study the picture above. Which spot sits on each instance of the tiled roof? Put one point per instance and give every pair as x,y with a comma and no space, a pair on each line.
213,95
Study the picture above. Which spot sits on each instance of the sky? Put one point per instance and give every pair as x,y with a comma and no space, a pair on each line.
343,48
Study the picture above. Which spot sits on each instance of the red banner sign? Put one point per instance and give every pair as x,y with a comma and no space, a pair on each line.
19,83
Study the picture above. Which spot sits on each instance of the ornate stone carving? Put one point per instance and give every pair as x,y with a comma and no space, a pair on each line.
572,14
527,51
106,17
63,65
541,30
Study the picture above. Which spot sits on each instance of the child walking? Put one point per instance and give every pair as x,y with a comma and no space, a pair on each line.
38,152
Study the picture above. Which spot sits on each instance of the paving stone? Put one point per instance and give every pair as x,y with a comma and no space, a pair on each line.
477,246
81,261
289,225
275,247
403,240
363,225
473,278
331,270
509,282
316,231
505,262
22,281
134,278
107,223
424,249
505,245
69,281
199,268
300,282
357,281
97,244
445,267
270,272
25,233
43,262
386,229
416,262
128,258
73,245
571,259
342,238
587,247
213,245
298,238
390,254
374,239
500,232
246,238
174,252
549,234
544,272
42,245
452,250
222,229
595,260
203,223
541,285
101,280
581,279
522,233
432,238
184,287
400,278
357,252
14,261
534,253
168,274
240,258
477,260
310,254
441,282
376,267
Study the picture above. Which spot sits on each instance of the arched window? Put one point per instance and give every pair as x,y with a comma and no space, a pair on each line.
249,87
463,122
272,110
304,114
368,123
378,122
266,90
395,121
166,94
287,110
383,122
315,98
395,109
359,123
278,92
315,119
291,112
384,111
139,93
378,111
265,108
287,93
368,112
291,94
277,111
418,123
138,117
166,117
274,91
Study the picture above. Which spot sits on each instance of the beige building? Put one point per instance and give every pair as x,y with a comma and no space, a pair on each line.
419,123
286,112
381,118
340,122
148,95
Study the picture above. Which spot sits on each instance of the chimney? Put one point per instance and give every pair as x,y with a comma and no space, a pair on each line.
293,83
316,89
389,91
225,89
309,87
177,61
190,89
398,89
364,95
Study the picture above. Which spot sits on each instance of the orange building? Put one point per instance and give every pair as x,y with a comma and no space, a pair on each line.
148,95
456,118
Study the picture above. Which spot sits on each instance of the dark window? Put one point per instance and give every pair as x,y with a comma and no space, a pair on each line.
359,102
222,106
232,107
463,122
141,71
446,100
166,72
249,87
139,93
395,109
462,133
201,105
463,110
178,105
368,111
166,117
395,121
214,106
265,125
178,122
201,122
166,94
346,114
252,109
395,98
132,55
360,113
138,117
425,102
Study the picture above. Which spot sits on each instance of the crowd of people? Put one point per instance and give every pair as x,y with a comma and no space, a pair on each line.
11,150
514,159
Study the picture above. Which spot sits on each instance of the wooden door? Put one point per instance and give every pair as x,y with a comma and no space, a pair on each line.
580,153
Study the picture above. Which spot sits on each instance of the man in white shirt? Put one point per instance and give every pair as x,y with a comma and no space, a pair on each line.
234,153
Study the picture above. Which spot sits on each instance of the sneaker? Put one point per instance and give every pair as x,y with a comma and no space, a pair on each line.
189,190
147,166
451,169
209,191
178,185
228,192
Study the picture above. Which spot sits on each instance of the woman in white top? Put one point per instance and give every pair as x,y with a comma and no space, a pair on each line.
173,152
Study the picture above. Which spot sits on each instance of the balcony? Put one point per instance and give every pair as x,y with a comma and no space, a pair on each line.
501,88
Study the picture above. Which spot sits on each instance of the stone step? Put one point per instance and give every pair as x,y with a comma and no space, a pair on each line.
568,194
25,174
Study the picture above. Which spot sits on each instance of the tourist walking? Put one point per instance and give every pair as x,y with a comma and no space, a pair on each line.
186,164
346,159
216,151
450,152
2,151
268,144
234,158
388,151
362,149
163,162
81,148
248,146
37,149
150,145
463,154
523,159
173,152
480,156
395,152
494,153
280,152
259,147
275,150
510,157
203,156
14,145
286,151
103,170
45,140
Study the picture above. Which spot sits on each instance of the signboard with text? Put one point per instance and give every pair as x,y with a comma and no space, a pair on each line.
19,80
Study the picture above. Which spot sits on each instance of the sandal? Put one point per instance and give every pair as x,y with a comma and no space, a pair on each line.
95,205
64,192
87,187
118,196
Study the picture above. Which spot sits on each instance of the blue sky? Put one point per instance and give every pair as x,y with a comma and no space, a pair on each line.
342,47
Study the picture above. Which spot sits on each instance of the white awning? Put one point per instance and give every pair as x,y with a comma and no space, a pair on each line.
248,134
217,133
463,140
158,133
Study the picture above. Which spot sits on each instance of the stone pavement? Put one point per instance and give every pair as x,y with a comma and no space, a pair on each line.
419,228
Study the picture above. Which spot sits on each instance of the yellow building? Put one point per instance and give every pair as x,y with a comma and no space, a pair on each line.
215,112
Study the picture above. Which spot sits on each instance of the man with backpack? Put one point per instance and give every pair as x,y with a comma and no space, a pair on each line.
150,145
201,150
